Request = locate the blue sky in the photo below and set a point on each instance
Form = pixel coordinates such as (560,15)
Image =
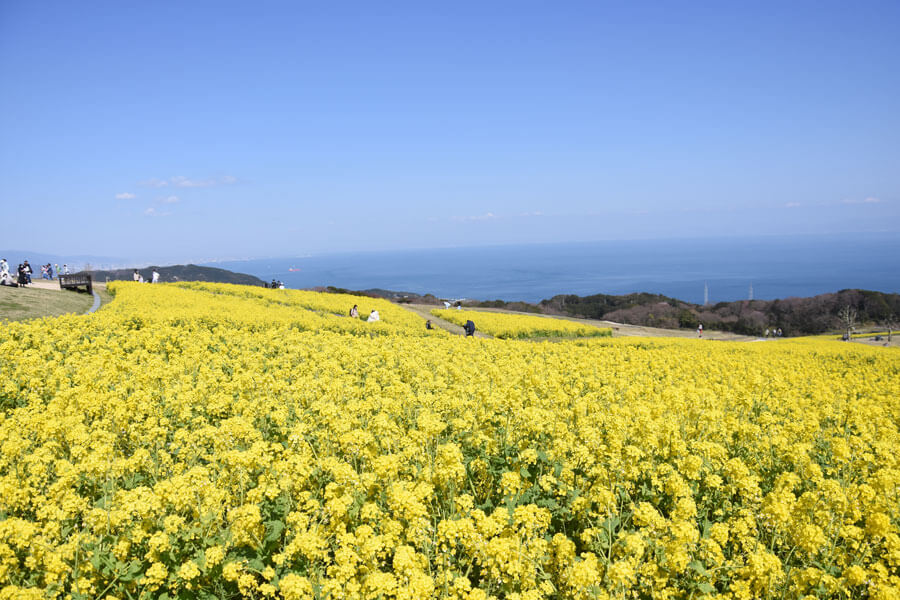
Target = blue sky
(202,130)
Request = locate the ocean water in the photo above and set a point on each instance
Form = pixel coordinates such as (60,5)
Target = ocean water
(776,267)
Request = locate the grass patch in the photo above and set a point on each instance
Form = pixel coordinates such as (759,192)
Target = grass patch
(19,304)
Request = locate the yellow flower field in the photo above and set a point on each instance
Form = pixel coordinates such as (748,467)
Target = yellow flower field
(211,441)
(510,326)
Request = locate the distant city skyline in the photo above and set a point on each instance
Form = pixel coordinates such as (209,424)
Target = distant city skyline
(202,130)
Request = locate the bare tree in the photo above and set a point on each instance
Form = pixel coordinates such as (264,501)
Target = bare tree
(890,322)
(847,315)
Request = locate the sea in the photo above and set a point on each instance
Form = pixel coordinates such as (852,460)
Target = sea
(694,270)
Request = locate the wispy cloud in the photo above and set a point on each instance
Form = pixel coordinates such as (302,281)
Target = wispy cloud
(869,200)
(152,212)
(535,213)
(182,181)
(125,196)
(153,183)
(485,217)
(186,182)
(170,199)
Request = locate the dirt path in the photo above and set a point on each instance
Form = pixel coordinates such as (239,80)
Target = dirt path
(883,343)
(625,330)
(53,284)
(45,284)
(424,311)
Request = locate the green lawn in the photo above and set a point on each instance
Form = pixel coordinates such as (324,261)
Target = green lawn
(17,304)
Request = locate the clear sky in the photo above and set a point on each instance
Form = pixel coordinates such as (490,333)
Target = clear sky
(203,130)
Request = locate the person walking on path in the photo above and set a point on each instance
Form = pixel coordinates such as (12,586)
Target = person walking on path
(700,330)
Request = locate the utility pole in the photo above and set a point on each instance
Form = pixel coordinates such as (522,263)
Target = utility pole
(705,294)
(750,295)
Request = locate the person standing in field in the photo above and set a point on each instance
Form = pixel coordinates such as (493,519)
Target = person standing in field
(700,330)
(28,272)
(136,276)
(373,316)
(354,312)
(155,278)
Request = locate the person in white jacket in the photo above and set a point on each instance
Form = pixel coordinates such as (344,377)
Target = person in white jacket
(373,316)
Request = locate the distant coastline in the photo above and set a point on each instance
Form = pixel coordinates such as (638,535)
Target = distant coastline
(776,267)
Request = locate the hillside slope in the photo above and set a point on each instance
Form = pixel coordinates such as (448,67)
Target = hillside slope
(180,273)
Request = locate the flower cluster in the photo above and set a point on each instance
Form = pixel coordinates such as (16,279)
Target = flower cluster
(217,441)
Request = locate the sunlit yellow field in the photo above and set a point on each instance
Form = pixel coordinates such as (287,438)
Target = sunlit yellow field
(213,441)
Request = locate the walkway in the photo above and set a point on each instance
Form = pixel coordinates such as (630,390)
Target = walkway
(96,303)
(54,285)
(424,311)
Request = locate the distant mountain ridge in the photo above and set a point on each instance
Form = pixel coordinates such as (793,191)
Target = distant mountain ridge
(74,261)
(173,273)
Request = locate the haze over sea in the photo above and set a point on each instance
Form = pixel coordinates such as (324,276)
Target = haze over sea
(776,267)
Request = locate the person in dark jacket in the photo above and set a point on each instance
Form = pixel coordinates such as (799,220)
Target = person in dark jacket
(470,328)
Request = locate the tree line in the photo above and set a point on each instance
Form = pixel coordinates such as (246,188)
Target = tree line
(794,316)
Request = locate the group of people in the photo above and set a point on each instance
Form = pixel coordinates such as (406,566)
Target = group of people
(276,285)
(25,271)
(154,277)
(774,332)
(469,327)
(373,316)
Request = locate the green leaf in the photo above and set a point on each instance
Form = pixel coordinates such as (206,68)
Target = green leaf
(256,564)
(132,571)
(95,561)
(273,530)
(698,566)
(706,588)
